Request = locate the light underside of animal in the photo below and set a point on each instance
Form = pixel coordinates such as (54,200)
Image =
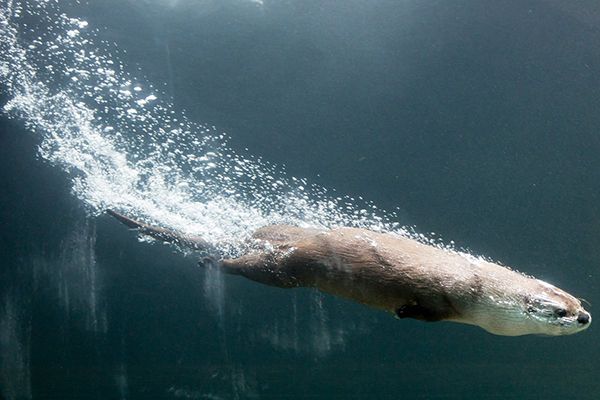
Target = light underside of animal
(397,274)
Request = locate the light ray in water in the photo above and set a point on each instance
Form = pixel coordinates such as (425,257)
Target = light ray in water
(124,146)
(15,332)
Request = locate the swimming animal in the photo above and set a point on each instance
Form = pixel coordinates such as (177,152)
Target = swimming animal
(397,274)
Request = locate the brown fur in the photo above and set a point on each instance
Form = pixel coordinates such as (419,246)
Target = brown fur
(385,271)
(397,274)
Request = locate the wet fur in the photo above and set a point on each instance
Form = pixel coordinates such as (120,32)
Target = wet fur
(385,271)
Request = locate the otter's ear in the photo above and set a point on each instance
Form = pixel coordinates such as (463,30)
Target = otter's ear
(417,311)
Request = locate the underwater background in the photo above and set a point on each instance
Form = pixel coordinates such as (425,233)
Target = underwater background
(478,121)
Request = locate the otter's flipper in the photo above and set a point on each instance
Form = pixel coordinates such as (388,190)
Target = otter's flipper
(165,235)
(418,312)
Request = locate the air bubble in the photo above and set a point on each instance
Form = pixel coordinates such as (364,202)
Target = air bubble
(151,162)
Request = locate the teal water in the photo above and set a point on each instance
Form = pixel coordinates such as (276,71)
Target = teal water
(474,121)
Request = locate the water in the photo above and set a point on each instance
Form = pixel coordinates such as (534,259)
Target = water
(129,150)
(484,132)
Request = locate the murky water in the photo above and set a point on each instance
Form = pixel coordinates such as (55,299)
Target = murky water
(484,131)
(128,148)
(124,146)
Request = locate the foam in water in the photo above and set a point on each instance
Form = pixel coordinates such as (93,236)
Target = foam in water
(126,147)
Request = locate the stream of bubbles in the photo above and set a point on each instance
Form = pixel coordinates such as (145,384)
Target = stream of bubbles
(124,145)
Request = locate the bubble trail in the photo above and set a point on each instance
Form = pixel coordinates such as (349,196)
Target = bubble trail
(124,146)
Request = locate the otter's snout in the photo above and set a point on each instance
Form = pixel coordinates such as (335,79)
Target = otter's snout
(583,318)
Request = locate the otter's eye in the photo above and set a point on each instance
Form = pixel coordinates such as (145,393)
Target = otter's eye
(560,312)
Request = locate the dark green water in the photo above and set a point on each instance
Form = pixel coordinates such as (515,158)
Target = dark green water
(479,120)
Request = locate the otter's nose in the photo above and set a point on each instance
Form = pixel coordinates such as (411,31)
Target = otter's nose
(583,318)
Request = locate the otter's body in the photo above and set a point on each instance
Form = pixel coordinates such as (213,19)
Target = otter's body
(402,276)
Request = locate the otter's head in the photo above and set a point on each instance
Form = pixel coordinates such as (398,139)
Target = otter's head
(543,310)
(556,312)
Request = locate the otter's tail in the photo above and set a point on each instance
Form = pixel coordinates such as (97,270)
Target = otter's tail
(165,235)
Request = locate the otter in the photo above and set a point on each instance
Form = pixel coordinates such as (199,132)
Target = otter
(397,274)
